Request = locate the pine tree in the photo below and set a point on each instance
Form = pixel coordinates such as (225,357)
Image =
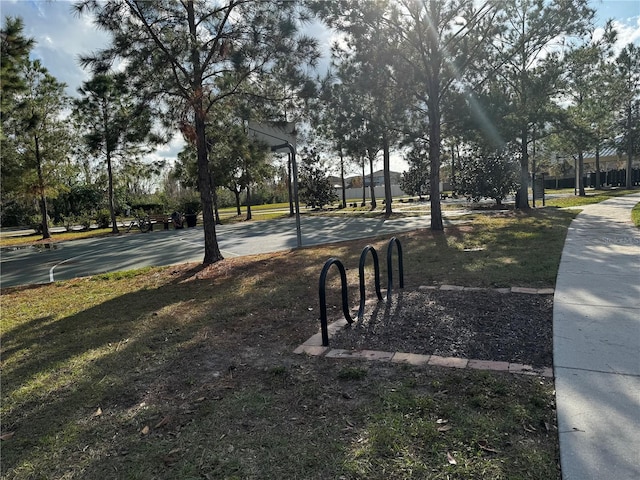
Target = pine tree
(193,54)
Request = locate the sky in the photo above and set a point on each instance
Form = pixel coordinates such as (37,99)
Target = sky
(61,36)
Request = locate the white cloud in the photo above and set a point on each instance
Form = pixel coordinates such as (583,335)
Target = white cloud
(171,149)
(628,32)
(61,37)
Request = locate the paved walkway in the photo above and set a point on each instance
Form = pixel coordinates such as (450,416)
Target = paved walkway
(596,320)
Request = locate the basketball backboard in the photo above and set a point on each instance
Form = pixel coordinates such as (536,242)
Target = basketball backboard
(273,134)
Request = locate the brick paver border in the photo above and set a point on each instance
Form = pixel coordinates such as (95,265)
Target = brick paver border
(314,347)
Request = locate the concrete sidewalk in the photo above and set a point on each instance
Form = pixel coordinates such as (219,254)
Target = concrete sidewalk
(596,344)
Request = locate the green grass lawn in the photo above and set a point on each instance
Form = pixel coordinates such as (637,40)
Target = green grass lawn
(595,196)
(6,240)
(635,215)
(188,372)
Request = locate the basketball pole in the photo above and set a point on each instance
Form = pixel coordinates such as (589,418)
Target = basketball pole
(294,167)
(270,136)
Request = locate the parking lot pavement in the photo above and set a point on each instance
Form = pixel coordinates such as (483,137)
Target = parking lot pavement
(65,260)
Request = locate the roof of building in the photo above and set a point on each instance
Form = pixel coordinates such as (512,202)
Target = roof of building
(604,152)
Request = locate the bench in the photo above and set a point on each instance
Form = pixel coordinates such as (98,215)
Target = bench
(161,218)
(164,219)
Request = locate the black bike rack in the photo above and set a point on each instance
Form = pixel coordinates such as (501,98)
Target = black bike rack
(343,283)
(376,268)
(323,297)
(393,241)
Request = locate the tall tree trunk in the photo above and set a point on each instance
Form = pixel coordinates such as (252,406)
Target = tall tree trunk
(629,146)
(371,183)
(46,233)
(581,174)
(109,147)
(43,198)
(248,202)
(387,177)
(453,170)
(236,192)
(364,188)
(344,186)
(598,180)
(214,193)
(523,191)
(212,252)
(112,201)
(214,196)
(434,160)
(216,210)
(289,186)
(211,249)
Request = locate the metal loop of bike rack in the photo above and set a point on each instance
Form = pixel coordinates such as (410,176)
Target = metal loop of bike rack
(323,297)
(343,283)
(376,268)
(393,241)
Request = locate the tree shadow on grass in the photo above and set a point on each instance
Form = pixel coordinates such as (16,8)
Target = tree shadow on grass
(109,356)
(89,383)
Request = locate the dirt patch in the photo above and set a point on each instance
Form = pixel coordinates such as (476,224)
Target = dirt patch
(484,325)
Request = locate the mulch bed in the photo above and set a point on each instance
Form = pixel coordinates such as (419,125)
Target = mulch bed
(483,325)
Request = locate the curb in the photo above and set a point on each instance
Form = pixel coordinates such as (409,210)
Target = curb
(459,288)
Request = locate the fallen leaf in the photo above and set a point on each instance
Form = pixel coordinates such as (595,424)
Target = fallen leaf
(201,399)
(162,422)
(444,428)
(98,412)
(145,430)
(485,446)
(529,428)
(442,420)
(451,460)
(7,436)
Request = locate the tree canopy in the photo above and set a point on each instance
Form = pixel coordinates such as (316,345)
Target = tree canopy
(482,84)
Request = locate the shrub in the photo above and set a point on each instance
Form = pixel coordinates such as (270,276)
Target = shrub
(103,218)
(489,174)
